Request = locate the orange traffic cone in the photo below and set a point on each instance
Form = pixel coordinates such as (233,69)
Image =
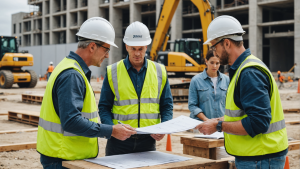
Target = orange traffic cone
(97,79)
(298,86)
(169,143)
(102,77)
(287,163)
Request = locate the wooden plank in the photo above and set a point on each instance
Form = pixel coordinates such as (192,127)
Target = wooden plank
(202,142)
(18,131)
(196,151)
(291,110)
(15,147)
(294,145)
(292,122)
(3,114)
(196,162)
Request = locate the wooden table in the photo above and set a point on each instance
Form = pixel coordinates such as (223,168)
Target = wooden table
(196,162)
(201,147)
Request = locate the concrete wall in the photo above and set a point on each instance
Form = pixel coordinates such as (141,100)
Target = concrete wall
(43,55)
(280,54)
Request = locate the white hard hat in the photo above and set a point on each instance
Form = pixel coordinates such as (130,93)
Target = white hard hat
(225,26)
(51,63)
(137,34)
(99,29)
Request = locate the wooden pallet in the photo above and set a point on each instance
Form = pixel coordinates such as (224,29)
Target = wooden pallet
(180,95)
(23,116)
(38,98)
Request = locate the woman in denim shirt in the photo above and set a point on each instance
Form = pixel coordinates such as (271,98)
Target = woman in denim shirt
(207,91)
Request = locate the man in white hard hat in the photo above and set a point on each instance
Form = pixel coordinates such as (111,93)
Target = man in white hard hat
(135,92)
(253,126)
(68,125)
(50,70)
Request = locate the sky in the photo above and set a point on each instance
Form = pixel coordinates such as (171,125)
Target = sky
(7,8)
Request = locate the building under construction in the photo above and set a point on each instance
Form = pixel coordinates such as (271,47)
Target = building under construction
(271,26)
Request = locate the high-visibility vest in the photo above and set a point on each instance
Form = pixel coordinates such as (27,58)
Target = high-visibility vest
(127,107)
(50,69)
(272,141)
(52,140)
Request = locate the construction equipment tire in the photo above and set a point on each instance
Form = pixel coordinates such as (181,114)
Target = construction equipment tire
(6,79)
(32,82)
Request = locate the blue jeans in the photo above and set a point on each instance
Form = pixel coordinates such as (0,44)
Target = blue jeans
(270,163)
(51,163)
(48,76)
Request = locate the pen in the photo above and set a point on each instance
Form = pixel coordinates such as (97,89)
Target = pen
(120,123)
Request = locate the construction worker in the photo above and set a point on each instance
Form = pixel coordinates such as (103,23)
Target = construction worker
(68,125)
(254,125)
(50,70)
(136,92)
(280,79)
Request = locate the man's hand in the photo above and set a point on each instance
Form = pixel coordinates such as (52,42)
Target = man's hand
(122,132)
(220,118)
(208,127)
(157,137)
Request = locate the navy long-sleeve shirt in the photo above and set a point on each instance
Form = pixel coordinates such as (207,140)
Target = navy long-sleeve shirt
(252,94)
(137,78)
(68,95)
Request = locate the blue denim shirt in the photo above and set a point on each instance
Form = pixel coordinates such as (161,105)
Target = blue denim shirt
(202,97)
(107,96)
(252,94)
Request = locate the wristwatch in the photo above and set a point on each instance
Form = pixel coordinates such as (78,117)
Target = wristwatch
(219,126)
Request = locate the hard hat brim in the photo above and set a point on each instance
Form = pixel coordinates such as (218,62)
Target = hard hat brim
(137,43)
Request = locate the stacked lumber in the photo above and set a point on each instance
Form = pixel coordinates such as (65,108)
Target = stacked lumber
(23,116)
(180,95)
(38,98)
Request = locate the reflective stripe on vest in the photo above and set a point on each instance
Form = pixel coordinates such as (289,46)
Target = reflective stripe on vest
(135,116)
(134,101)
(55,127)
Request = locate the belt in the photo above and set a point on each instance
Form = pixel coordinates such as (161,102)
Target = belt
(139,136)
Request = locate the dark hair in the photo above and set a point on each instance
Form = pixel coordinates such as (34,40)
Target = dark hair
(209,54)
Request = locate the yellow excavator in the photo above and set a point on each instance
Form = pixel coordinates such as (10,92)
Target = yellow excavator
(11,62)
(189,54)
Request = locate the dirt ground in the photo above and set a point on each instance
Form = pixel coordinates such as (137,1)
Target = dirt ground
(10,99)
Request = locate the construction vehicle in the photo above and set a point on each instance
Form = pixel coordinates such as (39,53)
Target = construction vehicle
(189,54)
(11,62)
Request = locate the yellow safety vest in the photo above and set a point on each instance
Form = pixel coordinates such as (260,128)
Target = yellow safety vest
(127,107)
(272,141)
(52,140)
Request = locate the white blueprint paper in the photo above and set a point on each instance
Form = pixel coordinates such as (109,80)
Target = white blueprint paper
(179,124)
(215,135)
(134,160)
